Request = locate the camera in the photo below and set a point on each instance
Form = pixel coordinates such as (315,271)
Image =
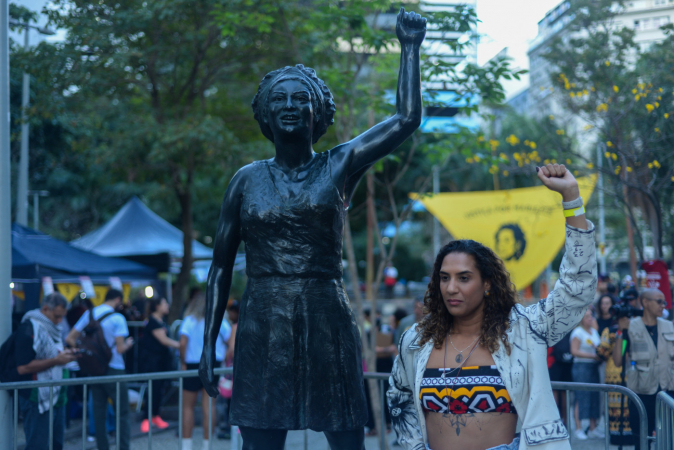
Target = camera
(624,309)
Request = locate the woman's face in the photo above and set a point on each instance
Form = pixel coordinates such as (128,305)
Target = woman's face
(462,286)
(163,307)
(506,244)
(604,305)
(290,108)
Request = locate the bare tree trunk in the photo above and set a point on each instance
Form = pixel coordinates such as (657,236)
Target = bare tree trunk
(182,286)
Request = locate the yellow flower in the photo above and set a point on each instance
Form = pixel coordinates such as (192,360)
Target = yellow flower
(493,170)
(673,178)
(573,84)
(660,90)
(657,105)
(641,86)
(588,127)
(560,132)
(657,130)
(607,155)
(629,169)
(656,164)
(659,97)
(512,140)
(650,165)
(477,158)
(506,173)
(602,107)
(572,94)
(503,156)
(666,115)
(469,160)
(542,88)
(615,88)
(568,161)
(614,156)
(575,172)
(634,91)
(637,97)
(493,143)
(608,63)
(609,144)
(590,165)
(532,144)
(592,88)
(617,170)
(546,162)
(480,138)
(553,161)
(551,117)
(649,107)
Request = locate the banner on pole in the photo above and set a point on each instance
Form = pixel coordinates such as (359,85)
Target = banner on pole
(525,227)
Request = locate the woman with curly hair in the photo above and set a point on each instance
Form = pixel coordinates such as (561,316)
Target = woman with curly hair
(476,366)
(298,362)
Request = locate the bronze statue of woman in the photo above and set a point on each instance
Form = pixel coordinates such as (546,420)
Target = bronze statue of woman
(298,361)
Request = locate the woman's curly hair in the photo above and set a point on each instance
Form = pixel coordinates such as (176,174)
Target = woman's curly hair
(502,297)
(321,99)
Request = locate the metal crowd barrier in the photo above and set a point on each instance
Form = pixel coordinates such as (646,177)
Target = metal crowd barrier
(664,409)
(664,421)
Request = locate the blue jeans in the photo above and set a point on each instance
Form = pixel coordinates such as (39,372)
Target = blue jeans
(36,425)
(514,445)
(91,426)
(588,402)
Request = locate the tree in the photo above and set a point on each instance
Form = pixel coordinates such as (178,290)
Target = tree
(625,97)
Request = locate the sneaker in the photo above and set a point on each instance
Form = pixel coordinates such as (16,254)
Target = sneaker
(224,434)
(91,438)
(597,433)
(580,435)
(159,422)
(145,426)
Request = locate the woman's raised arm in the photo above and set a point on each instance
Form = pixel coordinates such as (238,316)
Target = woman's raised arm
(351,159)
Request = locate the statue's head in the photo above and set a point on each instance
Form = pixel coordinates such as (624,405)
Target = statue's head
(322,106)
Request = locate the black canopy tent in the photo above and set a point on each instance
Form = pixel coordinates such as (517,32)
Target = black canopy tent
(36,255)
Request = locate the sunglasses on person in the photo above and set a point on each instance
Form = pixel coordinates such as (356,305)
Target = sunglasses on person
(659,301)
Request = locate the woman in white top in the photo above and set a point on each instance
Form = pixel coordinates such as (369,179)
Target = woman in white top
(191,345)
(584,343)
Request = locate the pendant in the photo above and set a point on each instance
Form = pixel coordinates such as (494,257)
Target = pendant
(459,358)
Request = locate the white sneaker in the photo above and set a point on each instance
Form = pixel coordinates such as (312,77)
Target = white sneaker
(580,435)
(596,433)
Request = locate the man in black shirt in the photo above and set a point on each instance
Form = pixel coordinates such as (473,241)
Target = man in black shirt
(40,356)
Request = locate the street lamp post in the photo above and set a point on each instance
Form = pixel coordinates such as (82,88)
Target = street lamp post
(36,207)
(22,189)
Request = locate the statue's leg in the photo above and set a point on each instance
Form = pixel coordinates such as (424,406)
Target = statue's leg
(346,440)
(257,439)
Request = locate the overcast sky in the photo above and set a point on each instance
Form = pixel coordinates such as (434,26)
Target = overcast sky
(512,24)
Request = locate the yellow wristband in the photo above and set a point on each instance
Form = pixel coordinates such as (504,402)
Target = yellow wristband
(574,212)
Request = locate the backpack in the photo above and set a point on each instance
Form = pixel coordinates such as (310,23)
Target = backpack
(95,352)
(8,373)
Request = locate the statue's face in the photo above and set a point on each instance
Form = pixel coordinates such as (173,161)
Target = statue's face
(290,108)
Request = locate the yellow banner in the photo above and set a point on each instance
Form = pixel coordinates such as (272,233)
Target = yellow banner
(525,227)
(70,290)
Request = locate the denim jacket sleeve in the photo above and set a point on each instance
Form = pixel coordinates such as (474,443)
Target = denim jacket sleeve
(555,316)
(400,396)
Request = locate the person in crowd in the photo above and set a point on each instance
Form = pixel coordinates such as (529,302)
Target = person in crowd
(561,371)
(584,343)
(603,309)
(155,355)
(40,355)
(603,283)
(618,415)
(116,333)
(191,345)
(649,350)
(407,322)
(390,279)
(476,365)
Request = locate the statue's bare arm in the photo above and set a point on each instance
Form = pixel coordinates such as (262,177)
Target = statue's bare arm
(352,159)
(227,240)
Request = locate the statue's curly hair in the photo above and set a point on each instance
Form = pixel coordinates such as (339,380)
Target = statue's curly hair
(321,99)
(497,305)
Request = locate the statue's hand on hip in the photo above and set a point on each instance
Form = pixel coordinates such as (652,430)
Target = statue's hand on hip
(206,366)
(410,27)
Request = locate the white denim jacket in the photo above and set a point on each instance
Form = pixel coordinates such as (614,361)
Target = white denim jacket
(525,371)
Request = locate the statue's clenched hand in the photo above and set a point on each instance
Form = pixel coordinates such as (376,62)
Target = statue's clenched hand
(410,27)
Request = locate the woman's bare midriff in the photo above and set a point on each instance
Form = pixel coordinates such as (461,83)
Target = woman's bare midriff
(472,431)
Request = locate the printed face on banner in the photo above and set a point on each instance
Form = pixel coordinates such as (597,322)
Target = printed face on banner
(525,227)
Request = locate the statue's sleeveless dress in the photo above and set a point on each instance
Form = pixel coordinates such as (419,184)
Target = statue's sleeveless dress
(297,363)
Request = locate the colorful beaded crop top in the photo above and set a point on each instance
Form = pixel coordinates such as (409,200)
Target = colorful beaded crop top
(477,389)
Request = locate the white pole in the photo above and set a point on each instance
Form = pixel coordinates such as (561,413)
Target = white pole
(5,216)
(436,224)
(602,223)
(22,190)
